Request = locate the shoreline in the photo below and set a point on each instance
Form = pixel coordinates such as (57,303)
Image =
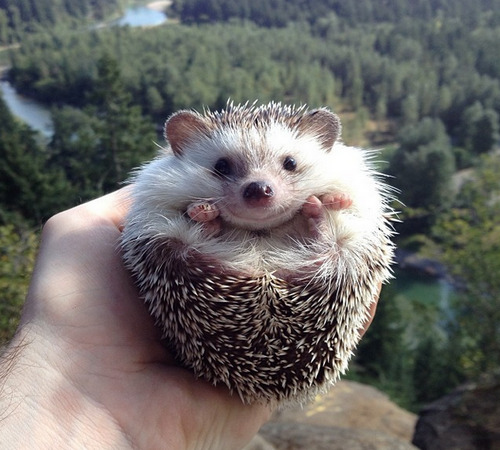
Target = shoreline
(159,5)
(408,260)
(4,73)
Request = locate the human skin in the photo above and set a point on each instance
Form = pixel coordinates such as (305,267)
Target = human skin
(87,368)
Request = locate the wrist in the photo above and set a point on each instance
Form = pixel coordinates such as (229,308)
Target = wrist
(39,406)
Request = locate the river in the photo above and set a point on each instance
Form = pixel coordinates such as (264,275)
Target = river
(415,287)
(31,112)
(35,114)
(141,16)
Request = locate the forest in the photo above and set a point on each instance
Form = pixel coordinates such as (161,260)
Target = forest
(282,12)
(20,16)
(418,80)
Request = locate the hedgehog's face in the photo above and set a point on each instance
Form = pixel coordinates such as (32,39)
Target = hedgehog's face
(256,174)
(259,172)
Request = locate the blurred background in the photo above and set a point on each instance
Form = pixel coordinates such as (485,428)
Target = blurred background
(86,86)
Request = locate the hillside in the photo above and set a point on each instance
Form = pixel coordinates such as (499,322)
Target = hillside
(423,76)
(282,12)
(20,16)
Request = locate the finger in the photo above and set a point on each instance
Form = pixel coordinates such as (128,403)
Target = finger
(113,206)
(371,313)
(312,208)
(78,250)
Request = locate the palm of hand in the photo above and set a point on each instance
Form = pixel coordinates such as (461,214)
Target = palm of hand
(86,326)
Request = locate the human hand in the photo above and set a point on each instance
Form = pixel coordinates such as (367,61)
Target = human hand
(87,368)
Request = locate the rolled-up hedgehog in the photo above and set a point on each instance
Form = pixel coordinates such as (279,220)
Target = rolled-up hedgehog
(259,242)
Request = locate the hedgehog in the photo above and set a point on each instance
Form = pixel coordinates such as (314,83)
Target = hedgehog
(259,241)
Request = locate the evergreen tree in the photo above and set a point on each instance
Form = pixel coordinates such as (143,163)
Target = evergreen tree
(423,165)
(74,149)
(470,235)
(28,190)
(384,353)
(97,147)
(28,15)
(126,138)
(480,129)
(4,28)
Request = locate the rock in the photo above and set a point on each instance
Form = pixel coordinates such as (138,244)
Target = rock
(466,419)
(412,261)
(355,405)
(259,443)
(301,436)
(351,416)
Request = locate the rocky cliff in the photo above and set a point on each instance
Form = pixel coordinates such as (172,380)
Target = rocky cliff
(351,416)
(466,419)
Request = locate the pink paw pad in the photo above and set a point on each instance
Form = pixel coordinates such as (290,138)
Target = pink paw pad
(202,212)
(212,228)
(336,202)
(312,208)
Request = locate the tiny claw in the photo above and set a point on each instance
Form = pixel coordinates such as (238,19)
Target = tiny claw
(314,209)
(336,202)
(202,211)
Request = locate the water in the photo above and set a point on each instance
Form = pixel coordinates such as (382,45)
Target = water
(34,114)
(141,16)
(418,288)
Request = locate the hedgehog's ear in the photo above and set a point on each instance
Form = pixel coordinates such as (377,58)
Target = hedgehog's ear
(323,124)
(184,127)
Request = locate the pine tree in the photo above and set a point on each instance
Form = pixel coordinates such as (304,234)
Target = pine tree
(479,130)
(424,154)
(470,237)
(126,138)
(28,190)
(98,146)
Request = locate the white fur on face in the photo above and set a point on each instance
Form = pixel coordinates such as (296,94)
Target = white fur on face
(166,186)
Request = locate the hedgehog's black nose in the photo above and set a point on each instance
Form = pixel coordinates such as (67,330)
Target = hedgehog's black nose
(258,193)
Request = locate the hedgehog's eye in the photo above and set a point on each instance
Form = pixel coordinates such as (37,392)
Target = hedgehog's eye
(289,164)
(222,167)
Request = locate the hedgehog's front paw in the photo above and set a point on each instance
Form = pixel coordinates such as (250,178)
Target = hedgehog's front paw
(212,228)
(202,211)
(336,201)
(312,210)
(207,214)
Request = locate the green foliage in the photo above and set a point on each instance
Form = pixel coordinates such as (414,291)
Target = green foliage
(126,138)
(424,154)
(28,188)
(74,149)
(406,350)
(19,16)
(168,68)
(479,131)
(281,12)
(17,255)
(98,146)
(384,339)
(92,151)
(405,70)
(470,237)
(435,368)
